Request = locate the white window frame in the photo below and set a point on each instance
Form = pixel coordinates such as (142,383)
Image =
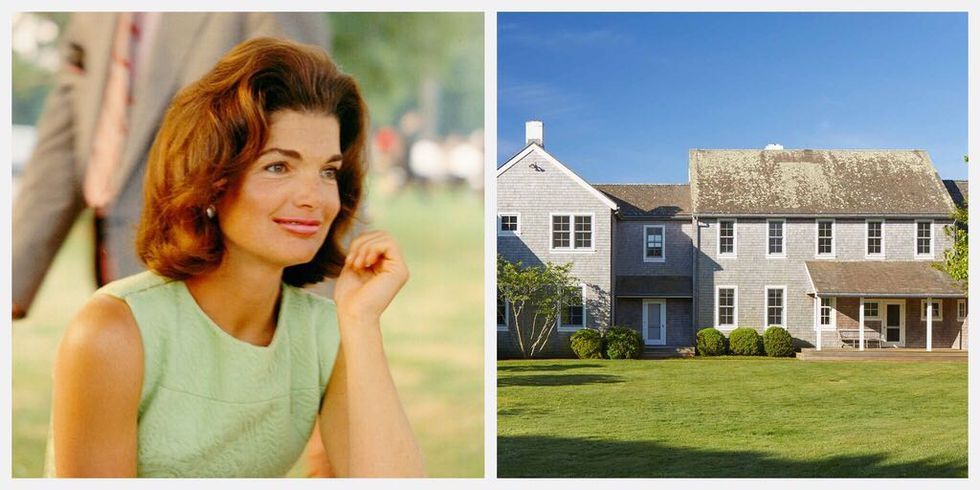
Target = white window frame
(939,312)
(663,244)
(505,327)
(781,255)
(833,239)
(877,307)
(734,253)
(959,303)
(833,313)
(867,237)
(500,225)
(765,309)
(932,240)
(585,317)
(571,237)
(734,323)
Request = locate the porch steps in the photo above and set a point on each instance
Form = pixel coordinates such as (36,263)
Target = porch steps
(666,352)
(884,354)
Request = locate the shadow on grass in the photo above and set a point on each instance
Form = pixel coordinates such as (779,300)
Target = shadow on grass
(546,367)
(538,456)
(557,380)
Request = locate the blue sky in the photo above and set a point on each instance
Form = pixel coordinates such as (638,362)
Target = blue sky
(623,97)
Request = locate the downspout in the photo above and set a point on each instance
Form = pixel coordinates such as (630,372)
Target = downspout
(694,281)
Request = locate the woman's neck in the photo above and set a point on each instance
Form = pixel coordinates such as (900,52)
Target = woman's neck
(242,300)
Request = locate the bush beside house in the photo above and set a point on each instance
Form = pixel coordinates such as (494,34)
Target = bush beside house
(711,342)
(623,343)
(745,341)
(587,343)
(777,342)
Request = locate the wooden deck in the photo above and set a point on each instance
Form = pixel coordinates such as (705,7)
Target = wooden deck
(885,354)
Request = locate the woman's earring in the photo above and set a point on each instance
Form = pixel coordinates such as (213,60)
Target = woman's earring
(210,211)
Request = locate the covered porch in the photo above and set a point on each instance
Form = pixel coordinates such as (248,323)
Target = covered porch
(877,305)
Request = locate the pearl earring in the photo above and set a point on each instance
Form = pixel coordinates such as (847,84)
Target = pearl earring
(210,211)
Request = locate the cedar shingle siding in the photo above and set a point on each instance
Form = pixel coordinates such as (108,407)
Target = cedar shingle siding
(798,187)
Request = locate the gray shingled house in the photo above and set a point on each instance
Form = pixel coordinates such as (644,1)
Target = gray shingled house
(795,238)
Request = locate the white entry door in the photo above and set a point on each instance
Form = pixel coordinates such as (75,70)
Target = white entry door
(894,328)
(654,322)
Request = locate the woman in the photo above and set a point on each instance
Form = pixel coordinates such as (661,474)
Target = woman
(215,363)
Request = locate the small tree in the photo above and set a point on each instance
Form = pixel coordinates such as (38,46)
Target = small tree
(956,260)
(541,291)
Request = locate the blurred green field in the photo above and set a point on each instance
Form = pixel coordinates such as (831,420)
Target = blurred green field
(433,331)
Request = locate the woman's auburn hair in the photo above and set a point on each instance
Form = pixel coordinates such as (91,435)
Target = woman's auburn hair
(215,129)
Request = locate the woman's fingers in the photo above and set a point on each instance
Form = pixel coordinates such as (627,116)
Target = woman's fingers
(367,249)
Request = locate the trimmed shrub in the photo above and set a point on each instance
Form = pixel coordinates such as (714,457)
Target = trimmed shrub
(745,341)
(587,343)
(777,342)
(623,343)
(711,342)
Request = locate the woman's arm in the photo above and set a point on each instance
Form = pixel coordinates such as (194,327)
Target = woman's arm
(98,376)
(365,430)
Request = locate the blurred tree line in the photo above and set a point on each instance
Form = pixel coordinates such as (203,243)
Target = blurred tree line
(430,62)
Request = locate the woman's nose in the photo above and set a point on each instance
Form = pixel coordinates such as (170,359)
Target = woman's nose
(310,190)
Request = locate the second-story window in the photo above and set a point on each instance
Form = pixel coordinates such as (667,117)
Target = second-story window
(726,237)
(508,224)
(923,238)
(775,235)
(571,232)
(874,237)
(654,243)
(825,237)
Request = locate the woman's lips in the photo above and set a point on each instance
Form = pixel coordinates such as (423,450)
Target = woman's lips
(302,227)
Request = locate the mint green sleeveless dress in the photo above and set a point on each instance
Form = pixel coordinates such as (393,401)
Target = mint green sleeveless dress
(213,405)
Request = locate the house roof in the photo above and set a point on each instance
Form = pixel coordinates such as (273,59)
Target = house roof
(881,279)
(653,286)
(534,146)
(816,182)
(957,191)
(649,200)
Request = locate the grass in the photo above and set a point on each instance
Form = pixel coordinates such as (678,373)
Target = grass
(755,417)
(433,331)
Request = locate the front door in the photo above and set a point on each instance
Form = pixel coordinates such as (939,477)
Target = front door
(894,328)
(654,322)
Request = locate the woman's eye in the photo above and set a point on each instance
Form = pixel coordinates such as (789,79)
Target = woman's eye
(276,168)
(329,173)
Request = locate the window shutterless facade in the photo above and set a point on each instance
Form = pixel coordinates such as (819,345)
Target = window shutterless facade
(827,317)
(726,307)
(775,242)
(503,313)
(825,238)
(871,309)
(571,232)
(937,310)
(923,239)
(726,238)
(961,309)
(572,315)
(775,306)
(508,224)
(874,234)
(655,241)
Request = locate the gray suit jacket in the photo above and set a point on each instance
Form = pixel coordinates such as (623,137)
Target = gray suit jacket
(50,198)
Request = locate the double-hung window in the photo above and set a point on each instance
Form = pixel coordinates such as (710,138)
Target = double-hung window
(776,306)
(726,309)
(923,239)
(654,243)
(827,318)
(508,224)
(825,238)
(937,310)
(775,241)
(875,234)
(573,309)
(571,232)
(726,238)
(961,309)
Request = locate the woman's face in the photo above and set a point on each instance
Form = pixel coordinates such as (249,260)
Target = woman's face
(288,198)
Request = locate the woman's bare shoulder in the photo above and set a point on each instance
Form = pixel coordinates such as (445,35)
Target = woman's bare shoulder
(104,332)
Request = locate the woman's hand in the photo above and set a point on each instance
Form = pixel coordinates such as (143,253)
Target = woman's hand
(373,274)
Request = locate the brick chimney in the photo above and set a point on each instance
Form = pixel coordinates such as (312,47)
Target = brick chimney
(534,133)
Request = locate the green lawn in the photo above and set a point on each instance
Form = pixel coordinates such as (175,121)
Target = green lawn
(433,331)
(728,417)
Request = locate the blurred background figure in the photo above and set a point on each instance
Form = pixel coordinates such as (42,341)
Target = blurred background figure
(422,76)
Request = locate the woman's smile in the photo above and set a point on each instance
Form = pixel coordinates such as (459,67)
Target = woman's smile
(303,227)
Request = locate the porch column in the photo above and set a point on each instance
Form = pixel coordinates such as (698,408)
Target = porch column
(861,322)
(816,321)
(928,324)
